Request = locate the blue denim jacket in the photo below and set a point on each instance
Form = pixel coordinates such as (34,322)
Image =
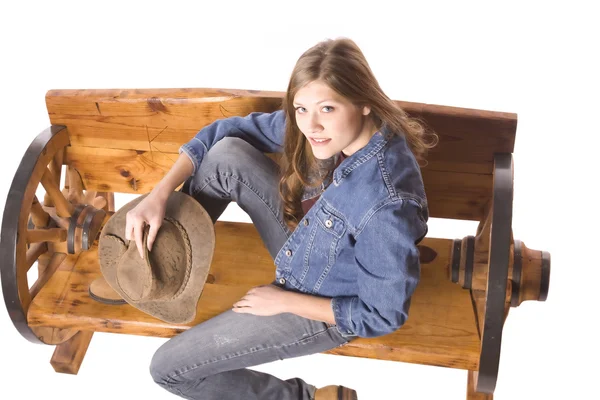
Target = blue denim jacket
(358,244)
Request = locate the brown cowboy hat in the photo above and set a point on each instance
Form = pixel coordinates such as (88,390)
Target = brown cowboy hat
(169,280)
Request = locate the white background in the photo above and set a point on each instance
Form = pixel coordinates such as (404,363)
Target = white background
(536,61)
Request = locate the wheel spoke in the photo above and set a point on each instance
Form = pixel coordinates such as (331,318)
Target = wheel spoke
(47,235)
(39,217)
(34,252)
(60,221)
(90,195)
(55,168)
(75,193)
(63,207)
(55,261)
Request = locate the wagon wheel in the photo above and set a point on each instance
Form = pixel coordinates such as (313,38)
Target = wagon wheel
(496,237)
(45,230)
(499,272)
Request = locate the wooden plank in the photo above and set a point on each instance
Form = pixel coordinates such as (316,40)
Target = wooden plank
(163,119)
(456,166)
(123,171)
(441,329)
(469,136)
(457,195)
(450,194)
(127,120)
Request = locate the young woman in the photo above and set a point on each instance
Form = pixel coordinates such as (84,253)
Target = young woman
(341,215)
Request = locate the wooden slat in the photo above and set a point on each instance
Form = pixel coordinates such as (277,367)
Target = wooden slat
(468,135)
(125,171)
(163,119)
(457,195)
(154,121)
(441,329)
(455,166)
(450,194)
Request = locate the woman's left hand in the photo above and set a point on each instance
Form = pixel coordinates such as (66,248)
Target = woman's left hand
(263,300)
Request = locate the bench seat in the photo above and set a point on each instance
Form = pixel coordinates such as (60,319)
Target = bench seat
(441,329)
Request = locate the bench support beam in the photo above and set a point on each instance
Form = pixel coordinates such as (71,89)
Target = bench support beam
(471,393)
(68,356)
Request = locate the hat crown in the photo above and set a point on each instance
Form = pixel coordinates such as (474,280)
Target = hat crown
(164,272)
(164,289)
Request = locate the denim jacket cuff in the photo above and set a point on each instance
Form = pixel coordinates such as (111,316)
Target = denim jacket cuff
(193,153)
(341,310)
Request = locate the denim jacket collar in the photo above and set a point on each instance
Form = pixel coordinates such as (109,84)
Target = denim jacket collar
(375,144)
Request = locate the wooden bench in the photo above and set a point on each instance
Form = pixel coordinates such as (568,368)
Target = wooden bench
(102,142)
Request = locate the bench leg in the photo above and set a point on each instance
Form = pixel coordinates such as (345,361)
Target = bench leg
(471,393)
(68,356)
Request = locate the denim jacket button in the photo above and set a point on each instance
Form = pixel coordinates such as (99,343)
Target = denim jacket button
(306,222)
(288,253)
(282,281)
(328,223)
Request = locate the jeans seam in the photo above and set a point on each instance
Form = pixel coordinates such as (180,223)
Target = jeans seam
(227,175)
(308,339)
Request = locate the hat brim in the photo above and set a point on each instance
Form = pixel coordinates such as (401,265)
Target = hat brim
(200,229)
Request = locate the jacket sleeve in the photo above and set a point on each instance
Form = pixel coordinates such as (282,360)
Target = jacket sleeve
(387,257)
(265,131)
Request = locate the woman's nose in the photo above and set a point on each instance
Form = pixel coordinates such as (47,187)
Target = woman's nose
(314,124)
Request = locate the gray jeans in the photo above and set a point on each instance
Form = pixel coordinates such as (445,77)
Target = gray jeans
(210,360)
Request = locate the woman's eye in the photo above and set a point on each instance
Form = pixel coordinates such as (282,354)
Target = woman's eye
(328,109)
(300,109)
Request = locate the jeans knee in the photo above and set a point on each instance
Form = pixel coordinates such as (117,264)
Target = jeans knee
(228,157)
(180,385)
(157,372)
(229,150)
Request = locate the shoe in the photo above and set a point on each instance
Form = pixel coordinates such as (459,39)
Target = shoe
(334,392)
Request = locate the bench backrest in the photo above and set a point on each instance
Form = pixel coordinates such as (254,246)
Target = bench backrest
(126,140)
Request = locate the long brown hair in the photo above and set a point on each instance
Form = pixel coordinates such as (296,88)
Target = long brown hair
(340,64)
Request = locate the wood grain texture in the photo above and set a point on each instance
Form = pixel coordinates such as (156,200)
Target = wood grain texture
(123,171)
(136,135)
(143,119)
(449,194)
(441,329)
(147,120)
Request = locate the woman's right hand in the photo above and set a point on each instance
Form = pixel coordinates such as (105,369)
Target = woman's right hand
(150,211)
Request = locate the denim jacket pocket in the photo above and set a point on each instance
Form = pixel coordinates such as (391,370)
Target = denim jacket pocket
(322,248)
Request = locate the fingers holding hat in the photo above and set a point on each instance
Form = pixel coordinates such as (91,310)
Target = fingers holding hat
(155,224)
(134,229)
(149,211)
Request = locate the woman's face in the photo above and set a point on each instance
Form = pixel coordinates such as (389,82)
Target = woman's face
(330,122)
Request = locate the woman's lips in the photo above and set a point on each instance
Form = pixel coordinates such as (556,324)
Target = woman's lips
(319,143)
